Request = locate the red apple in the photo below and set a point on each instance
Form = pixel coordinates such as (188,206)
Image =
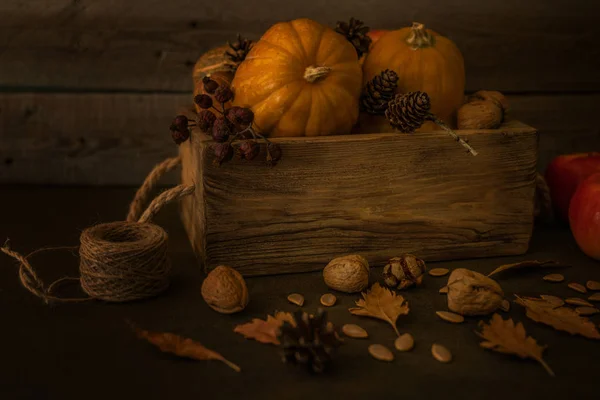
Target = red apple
(584,216)
(565,173)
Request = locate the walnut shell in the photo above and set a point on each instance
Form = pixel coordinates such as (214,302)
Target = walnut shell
(479,114)
(491,95)
(471,293)
(404,272)
(224,290)
(349,274)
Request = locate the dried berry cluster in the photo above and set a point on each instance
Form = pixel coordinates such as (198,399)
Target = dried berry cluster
(226,126)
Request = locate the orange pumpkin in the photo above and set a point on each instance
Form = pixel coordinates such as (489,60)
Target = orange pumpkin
(424,61)
(300,79)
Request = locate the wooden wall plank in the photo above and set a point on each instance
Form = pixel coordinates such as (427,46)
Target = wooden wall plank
(117,138)
(509,45)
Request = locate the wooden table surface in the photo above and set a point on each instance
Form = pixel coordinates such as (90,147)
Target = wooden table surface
(86,350)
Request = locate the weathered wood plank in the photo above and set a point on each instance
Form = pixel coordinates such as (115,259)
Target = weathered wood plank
(513,46)
(116,139)
(85,139)
(379,195)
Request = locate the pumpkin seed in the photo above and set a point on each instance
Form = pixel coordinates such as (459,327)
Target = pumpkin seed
(554,278)
(441,353)
(439,271)
(593,285)
(444,290)
(505,305)
(575,301)
(404,342)
(586,310)
(594,297)
(354,331)
(450,317)
(296,299)
(578,287)
(328,300)
(555,301)
(381,353)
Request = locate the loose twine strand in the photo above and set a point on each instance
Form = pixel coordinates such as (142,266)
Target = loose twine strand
(119,261)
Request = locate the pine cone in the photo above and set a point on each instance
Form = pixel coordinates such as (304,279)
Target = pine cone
(378,92)
(356,34)
(239,50)
(407,112)
(312,341)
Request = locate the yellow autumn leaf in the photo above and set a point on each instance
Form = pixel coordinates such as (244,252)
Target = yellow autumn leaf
(561,318)
(382,303)
(503,336)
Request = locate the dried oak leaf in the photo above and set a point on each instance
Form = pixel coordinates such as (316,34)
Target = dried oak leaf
(561,318)
(379,302)
(182,347)
(505,337)
(265,331)
(527,264)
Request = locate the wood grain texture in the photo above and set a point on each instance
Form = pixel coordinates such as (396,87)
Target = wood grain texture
(116,139)
(150,45)
(89,139)
(379,195)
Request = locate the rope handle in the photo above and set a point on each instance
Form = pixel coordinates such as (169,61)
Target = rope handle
(141,196)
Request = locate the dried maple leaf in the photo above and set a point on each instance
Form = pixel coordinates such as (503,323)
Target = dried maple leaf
(381,303)
(561,318)
(180,346)
(527,264)
(265,331)
(505,337)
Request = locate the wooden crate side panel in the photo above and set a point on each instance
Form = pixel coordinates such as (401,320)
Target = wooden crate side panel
(378,195)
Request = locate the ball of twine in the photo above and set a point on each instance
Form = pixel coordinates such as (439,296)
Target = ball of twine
(122,261)
(119,261)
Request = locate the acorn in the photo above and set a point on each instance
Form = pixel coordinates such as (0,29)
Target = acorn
(223,153)
(205,121)
(221,130)
(203,100)
(223,94)
(209,85)
(249,150)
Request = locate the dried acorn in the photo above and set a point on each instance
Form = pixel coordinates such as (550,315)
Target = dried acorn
(180,131)
(204,101)
(221,130)
(240,115)
(223,94)
(205,121)
(248,150)
(209,85)
(404,271)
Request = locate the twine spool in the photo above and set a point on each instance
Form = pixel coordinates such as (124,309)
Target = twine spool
(118,261)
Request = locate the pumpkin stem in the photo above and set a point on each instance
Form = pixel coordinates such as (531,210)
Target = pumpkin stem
(419,38)
(313,74)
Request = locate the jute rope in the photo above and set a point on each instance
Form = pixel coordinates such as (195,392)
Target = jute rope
(119,261)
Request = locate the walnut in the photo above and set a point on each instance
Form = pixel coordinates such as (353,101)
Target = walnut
(479,114)
(491,95)
(404,272)
(224,290)
(471,293)
(348,274)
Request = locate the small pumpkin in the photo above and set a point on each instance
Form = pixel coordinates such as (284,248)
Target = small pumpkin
(424,61)
(300,79)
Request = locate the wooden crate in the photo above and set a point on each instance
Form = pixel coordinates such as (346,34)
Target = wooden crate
(378,195)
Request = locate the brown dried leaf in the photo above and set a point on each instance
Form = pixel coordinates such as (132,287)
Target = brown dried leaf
(527,264)
(505,337)
(182,347)
(381,303)
(562,318)
(265,331)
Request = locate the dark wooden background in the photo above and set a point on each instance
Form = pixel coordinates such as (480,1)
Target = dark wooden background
(88,87)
